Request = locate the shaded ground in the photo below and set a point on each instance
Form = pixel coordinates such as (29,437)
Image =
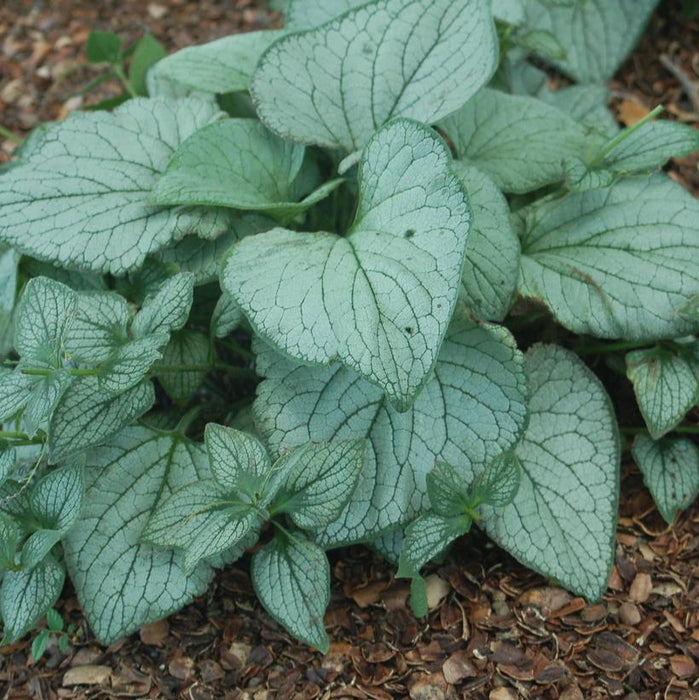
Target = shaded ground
(495,630)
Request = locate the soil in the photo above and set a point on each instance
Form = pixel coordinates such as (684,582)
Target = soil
(495,630)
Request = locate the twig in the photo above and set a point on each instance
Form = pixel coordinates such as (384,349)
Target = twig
(691,87)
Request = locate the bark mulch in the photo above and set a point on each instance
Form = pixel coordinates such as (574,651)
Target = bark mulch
(495,630)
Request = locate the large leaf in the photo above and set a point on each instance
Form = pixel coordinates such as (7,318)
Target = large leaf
(337,84)
(597,34)
(490,273)
(562,521)
(518,140)
(472,408)
(236,163)
(616,262)
(291,577)
(670,470)
(122,584)
(379,298)
(666,384)
(79,198)
(305,14)
(586,103)
(220,66)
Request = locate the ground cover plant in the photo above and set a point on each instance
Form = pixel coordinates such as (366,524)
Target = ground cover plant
(338,283)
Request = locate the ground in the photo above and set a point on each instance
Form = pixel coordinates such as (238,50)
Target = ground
(495,630)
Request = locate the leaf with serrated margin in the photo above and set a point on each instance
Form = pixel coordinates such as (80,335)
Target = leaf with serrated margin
(489,276)
(517,140)
(380,298)
(131,363)
(44,314)
(562,522)
(426,538)
(337,84)
(220,66)
(597,34)
(168,309)
(26,595)
(666,384)
(585,103)
(616,262)
(236,163)
(86,416)
(79,198)
(188,350)
(651,146)
(291,577)
(203,519)
(320,481)
(471,409)
(121,583)
(670,469)
(203,258)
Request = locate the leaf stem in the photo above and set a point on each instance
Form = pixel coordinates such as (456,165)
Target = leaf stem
(10,434)
(187,419)
(72,372)
(623,135)
(119,72)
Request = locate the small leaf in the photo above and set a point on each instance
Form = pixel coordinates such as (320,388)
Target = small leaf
(37,547)
(54,620)
(518,141)
(666,384)
(10,537)
(168,309)
(542,42)
(86,416)
(187,350)
(381,297)
(320,480)
(562,521)
(448,490)
(498,483)
(147,53)
(26,595)
(14,392)
(103,47)
(131,363)
(39,644)
(57,498)
(236,163)
(670,470)
(651,146)
(45,393)
(291,577)
(220,66)
(337,84)
(122,584)
(227,316)
(614,262)
(63,642)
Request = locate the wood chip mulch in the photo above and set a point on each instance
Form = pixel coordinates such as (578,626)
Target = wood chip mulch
(495,630)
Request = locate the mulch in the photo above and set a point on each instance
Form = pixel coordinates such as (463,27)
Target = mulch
(495,630)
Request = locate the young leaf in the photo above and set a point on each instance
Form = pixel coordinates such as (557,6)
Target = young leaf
(26,595)
(585,103)
(670,470)
(168,309)
(651,146)
(227,316)
(39,644)
(10,537)
(447,488)
(498,483)
(380,298)
(57,498)
(147,53)
(336,85)
(86,416)
(44,314)
(471,409)
(490,272)
(291,577)
(45,393)
(615,262)
(666,384)
(103,47)
(320,480)
(220,66)
(37,547)
(131,363)
(121,583)
(518,141)
(236,163)
(54,620)
(597,34)
(426,537)
(79,198)
(562,521)
(187,350)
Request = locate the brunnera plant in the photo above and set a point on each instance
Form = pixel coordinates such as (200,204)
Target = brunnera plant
(281,304)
